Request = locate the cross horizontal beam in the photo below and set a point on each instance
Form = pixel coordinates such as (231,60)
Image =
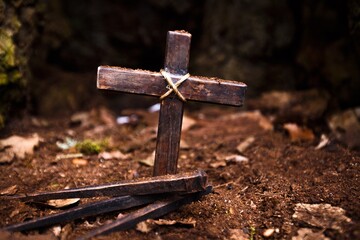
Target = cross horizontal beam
(152,83)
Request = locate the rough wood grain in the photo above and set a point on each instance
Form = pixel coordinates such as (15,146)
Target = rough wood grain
(171,112)
(152,211)
(185,182)
(195,88)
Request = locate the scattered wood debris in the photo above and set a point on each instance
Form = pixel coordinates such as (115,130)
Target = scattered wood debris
(324,141)
(218,164)
(150,224)
(9,190)
(245,144)
(309,234)
(299,133)
(65,231)
(183,223)
(237,159)
(80,162)
(5,235)
(321,215)
(222,161)
(68,156)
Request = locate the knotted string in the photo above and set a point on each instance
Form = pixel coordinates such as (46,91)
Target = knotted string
(173,87)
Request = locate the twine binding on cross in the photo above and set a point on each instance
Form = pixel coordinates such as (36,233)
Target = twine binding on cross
(173,87)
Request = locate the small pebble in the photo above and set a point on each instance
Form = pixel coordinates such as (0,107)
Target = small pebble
(79,162)
(268,232)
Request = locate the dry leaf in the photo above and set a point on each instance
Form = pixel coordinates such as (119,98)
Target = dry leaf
(37,122)
(238,234)
(321,215)
(276,99)
(6,235)
(187,123)
(308,234)
(144,227)
(56,230)
(66,231)
(112,155)
(106,117)
(60,203)
(81,118)
(18,146)
(245,144)
(7,156)
(165,222)
(9,190)
(67,144)
(309,104)
(299,134)
(105,155)
(149,161)
(218,164)
(184,145)
(188,222)
(256,115)
(346,127)
(119,155)
(14,213)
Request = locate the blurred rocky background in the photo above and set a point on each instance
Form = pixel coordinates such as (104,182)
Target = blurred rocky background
(50,50)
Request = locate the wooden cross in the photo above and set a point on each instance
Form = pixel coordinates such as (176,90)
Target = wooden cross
(173,94)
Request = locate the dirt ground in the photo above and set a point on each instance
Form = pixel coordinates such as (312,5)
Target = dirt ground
(253,198)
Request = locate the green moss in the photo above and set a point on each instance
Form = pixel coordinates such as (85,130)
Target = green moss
(89,147)
(2,121)
(13,61)
(3,79)
(7,49)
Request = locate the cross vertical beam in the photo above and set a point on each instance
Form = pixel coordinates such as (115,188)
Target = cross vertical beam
(171,112)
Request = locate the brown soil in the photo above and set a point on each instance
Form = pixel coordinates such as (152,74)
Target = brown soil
(248,197)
